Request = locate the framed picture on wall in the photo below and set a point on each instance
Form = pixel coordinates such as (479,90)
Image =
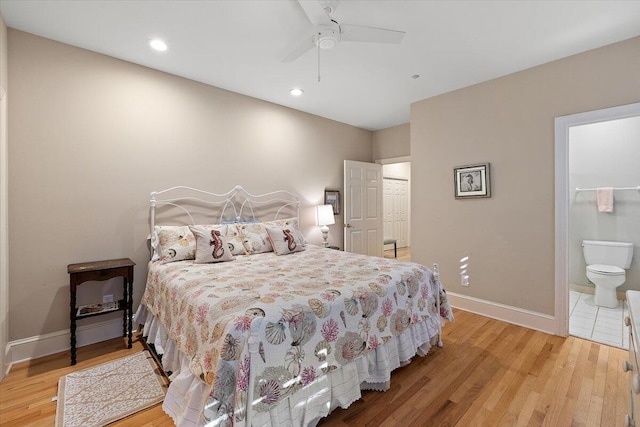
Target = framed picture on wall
(472,181)
(332,197)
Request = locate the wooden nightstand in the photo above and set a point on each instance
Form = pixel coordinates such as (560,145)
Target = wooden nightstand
(100,271)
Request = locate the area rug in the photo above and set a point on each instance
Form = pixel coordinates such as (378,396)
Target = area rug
(105,393)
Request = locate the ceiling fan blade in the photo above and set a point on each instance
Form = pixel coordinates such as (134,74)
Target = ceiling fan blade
(300,50)
(357,33)
(315,12)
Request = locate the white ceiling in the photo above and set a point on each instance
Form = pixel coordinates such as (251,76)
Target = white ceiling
(238,45)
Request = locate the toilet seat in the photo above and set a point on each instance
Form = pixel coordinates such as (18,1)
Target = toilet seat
(605,270)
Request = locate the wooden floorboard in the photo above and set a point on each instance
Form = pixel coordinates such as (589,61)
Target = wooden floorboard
(489,373)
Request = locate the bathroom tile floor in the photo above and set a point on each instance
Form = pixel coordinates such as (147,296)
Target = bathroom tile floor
(603,325)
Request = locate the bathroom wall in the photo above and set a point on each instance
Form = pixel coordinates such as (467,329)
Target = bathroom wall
(604,154)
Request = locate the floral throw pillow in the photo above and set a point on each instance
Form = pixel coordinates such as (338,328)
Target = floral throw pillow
(174,243)
(234,239)
(285,240)
(211,245)
(255,238)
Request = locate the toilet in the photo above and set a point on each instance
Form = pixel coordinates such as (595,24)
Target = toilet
(606,265)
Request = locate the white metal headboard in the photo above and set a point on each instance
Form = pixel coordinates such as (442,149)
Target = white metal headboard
(236,205)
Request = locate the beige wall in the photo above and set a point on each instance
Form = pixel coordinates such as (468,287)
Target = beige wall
(3,53)
(391,142)
(397,170)
(4,257)
(509,122)
(92,136)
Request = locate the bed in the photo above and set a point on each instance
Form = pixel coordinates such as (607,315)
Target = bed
(257,327)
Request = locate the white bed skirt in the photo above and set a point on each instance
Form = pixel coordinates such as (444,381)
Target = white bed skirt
(186,398)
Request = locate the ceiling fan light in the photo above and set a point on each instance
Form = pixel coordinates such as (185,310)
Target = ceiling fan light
(327,42)
(296,92)
(328,36)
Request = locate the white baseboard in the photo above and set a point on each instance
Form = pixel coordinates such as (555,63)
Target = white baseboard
(56,342)
(517,316)
(7,361)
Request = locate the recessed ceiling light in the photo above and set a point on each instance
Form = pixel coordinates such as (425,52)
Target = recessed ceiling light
(296,92)
(158,45)
(415,76)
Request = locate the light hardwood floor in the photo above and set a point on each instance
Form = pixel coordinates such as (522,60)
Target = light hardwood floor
(489,373)
(404,254)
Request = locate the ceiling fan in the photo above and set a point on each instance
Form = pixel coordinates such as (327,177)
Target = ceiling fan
(326,32)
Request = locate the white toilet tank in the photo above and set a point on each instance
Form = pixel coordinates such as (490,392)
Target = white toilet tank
(619,254)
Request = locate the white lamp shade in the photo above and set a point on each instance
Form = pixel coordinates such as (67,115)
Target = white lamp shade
(324,215)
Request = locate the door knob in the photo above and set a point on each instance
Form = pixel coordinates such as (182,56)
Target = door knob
(348,225)
(627,321)
(626,366)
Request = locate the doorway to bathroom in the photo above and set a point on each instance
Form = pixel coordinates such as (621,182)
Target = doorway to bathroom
(596,150)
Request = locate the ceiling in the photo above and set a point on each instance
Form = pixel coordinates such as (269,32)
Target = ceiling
(239,45)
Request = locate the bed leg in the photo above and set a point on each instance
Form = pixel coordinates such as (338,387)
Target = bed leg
(436,277)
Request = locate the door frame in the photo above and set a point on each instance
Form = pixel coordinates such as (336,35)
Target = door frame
(562,126)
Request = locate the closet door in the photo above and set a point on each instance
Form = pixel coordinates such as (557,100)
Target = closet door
(389,210)
(401,211)
(396,210)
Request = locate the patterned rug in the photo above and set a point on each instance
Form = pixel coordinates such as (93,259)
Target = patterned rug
(105,393)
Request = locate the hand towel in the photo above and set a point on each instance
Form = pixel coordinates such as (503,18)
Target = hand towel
(604,199)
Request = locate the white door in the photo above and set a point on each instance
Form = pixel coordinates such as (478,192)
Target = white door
(363,229)
(396,210)
(387,207)
(401,214)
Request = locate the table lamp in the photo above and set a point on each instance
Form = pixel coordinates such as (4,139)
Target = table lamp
(324,217)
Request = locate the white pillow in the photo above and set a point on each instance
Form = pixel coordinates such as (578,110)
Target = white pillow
(211,245)
(285,240)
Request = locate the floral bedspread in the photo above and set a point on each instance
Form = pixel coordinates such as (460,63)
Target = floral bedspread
(319,309)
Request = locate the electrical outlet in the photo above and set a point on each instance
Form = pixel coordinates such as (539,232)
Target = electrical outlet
(107,298)
(465,280)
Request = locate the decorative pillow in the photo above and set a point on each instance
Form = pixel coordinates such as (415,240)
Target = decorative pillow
(174,243)
(287,222)
(211,244)
(285,240)
(255,238)
(234,239)
(177,243)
